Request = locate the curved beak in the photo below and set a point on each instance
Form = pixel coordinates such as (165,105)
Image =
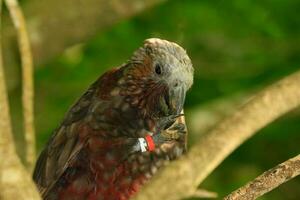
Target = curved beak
(176,99)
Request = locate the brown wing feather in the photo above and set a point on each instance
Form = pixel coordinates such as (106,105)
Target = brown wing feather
(64,145)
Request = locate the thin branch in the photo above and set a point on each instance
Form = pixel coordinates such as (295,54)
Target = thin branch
(5,122)
(27,77)
(188,172)
(15,182)
(268,180)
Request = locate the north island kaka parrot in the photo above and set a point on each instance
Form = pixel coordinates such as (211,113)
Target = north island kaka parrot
(122,129)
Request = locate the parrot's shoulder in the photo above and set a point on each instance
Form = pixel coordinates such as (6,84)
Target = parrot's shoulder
(98,91)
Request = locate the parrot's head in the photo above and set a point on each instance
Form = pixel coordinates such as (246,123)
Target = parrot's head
(158,76)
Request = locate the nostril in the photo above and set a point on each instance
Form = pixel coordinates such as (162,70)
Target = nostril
(176,84)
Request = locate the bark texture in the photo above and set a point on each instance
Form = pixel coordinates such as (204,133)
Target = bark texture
(268,180)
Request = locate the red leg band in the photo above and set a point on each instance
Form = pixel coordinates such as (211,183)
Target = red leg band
(150,142)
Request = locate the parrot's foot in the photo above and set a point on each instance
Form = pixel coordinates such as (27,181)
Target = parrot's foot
(176,132)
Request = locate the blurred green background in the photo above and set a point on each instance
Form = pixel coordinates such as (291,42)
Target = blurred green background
(237,47)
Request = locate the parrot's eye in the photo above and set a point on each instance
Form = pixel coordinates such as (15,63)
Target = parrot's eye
(158,69)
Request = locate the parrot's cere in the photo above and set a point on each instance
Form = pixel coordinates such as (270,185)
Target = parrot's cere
(122,129)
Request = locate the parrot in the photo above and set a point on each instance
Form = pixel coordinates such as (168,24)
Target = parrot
(122,130)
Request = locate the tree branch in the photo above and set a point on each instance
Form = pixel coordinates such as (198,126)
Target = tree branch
(15,182)
(268,180)
(27,77)
(182,177)
(55,25)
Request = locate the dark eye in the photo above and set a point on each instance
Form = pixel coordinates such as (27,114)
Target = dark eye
(158,69)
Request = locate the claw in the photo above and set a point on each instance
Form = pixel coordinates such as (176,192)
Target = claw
(178,127)
(167,122)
